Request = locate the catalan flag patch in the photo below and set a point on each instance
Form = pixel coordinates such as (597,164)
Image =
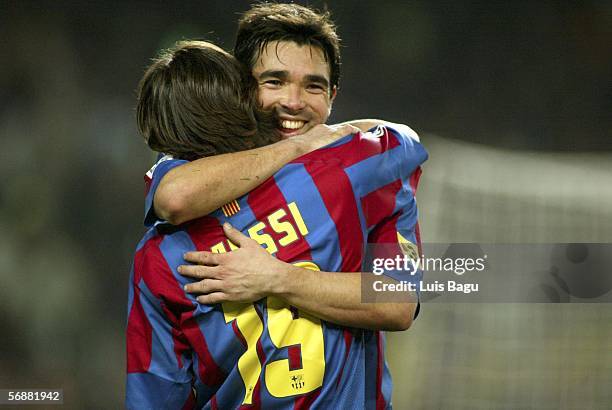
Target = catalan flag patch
(231,208)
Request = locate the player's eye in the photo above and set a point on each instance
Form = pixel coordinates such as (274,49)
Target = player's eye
(272,82)
(316,88)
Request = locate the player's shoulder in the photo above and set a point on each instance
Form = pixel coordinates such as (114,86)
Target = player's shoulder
(399,140)
(388,135)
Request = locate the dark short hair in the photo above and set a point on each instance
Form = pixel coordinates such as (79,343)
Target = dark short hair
(196,100)
(267,22)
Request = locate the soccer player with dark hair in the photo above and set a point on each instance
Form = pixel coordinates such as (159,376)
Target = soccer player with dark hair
(317,212)
(293,55)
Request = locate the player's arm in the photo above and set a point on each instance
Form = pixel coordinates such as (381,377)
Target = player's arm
(338,296)
(154,379)
(250,273)
(199,187)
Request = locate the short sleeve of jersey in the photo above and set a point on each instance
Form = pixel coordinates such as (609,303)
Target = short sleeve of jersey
(152,179)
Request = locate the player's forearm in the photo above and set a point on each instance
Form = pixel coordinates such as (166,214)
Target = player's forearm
(197,188)
(336,297)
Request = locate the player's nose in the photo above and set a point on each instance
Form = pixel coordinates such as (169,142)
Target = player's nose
(293,99)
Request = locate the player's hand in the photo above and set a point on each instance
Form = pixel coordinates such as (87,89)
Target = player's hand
(246,274)
(322,135)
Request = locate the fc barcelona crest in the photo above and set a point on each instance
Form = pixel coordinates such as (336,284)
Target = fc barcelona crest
(297,382)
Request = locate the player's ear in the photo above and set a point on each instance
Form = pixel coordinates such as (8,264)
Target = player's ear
(332,97)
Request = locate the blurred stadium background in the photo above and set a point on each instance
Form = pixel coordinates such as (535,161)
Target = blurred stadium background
(512,99)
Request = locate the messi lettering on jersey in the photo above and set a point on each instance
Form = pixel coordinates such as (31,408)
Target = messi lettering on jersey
(282,221)
(318,212)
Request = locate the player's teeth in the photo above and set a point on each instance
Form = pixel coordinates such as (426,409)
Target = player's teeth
(292,125)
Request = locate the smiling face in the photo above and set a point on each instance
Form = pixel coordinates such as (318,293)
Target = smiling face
(294,81)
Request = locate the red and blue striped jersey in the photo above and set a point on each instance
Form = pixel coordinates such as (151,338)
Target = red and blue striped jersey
(319,212)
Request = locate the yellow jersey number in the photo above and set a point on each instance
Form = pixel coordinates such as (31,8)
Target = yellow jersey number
(286,329)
